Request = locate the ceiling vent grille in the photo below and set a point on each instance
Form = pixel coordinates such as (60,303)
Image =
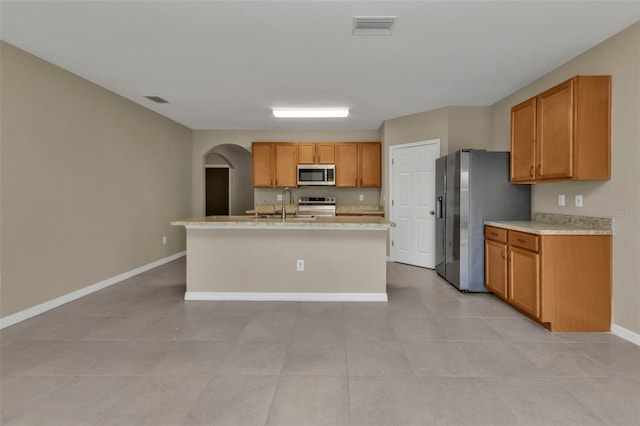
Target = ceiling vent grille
(373,25)
(157,99)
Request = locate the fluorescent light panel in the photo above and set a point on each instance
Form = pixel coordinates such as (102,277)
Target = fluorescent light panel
(311,112)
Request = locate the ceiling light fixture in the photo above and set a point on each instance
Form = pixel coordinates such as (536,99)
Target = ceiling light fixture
(311,112)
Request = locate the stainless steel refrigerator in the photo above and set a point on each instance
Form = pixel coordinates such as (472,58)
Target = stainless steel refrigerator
(472,186)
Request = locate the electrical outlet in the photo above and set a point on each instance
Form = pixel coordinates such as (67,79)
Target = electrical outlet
(561,200)
(300,265)
(361,197)
(164,239)
(578,200)
(279,197)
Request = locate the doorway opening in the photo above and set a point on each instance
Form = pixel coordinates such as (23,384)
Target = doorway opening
(217,190)
(227,181)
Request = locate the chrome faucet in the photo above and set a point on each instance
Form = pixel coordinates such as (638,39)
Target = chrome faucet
(284,210)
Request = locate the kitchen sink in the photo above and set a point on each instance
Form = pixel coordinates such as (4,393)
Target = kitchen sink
(277,217)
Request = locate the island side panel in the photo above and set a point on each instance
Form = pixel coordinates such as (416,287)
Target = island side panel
(264,261)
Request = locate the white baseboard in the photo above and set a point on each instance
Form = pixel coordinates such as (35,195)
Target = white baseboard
(287,297)
(54,303)
(625,334)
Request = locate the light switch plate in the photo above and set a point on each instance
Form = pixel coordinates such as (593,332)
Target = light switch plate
(561,200)
(361,197)
(578,200)
(279,197)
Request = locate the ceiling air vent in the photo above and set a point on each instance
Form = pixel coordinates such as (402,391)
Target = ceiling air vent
(373,25)
(157,99)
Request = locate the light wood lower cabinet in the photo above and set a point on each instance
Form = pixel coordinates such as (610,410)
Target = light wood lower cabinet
(561,281)
(496,267)
(524,280)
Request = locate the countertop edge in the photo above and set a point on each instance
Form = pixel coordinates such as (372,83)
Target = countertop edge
(541,228)
(320,223)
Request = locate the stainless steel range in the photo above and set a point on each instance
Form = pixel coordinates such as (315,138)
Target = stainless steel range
(316,206)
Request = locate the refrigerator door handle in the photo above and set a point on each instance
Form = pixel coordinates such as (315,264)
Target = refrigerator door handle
(439,208)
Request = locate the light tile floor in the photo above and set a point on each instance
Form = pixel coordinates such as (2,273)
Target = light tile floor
(137,354)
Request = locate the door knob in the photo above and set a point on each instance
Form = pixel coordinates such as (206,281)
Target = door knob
(432,212)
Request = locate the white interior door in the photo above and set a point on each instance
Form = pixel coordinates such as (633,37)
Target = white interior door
(413,202)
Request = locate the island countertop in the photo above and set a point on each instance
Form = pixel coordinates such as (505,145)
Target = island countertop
(291,222)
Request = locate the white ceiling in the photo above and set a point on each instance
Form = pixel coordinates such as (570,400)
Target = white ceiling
(225,64)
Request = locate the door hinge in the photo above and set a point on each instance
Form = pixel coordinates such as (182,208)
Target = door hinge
(392,202)
(393,161)
(392,243)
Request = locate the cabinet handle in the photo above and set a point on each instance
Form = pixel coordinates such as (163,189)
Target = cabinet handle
(494,233)
(539,169)
(360,181)
(502,252)
(531,171)
(520,240)
(508,256)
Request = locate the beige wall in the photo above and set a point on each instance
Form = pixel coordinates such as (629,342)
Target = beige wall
(457,127)
(619,197)
(89,182)
(469,127)
(205,140)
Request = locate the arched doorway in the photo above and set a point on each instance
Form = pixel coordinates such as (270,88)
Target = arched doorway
(227,180)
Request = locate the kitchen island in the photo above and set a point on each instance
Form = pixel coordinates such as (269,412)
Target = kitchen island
(249,258)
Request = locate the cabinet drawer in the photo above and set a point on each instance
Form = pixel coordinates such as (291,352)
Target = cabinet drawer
(522,240)
(496,234)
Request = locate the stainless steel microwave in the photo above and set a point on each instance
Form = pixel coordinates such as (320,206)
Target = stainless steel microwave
(316,174)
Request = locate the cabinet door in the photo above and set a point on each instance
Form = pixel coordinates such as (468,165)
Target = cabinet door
(262,156)
(370,171)
(325,153)
(306,153)
(523,141)
(524,280)
(495,267)
(554,145)
(286,161)
(347,164)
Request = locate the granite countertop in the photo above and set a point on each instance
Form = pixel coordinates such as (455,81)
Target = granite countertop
(559,224)
(319,222)
(359,209)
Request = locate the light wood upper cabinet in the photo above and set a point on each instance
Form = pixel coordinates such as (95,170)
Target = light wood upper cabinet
(358,164)
(347,164)
(274,164)
(563,133)
(370,168)
(286,165)
(316,153)
(263,155)
(523,141)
